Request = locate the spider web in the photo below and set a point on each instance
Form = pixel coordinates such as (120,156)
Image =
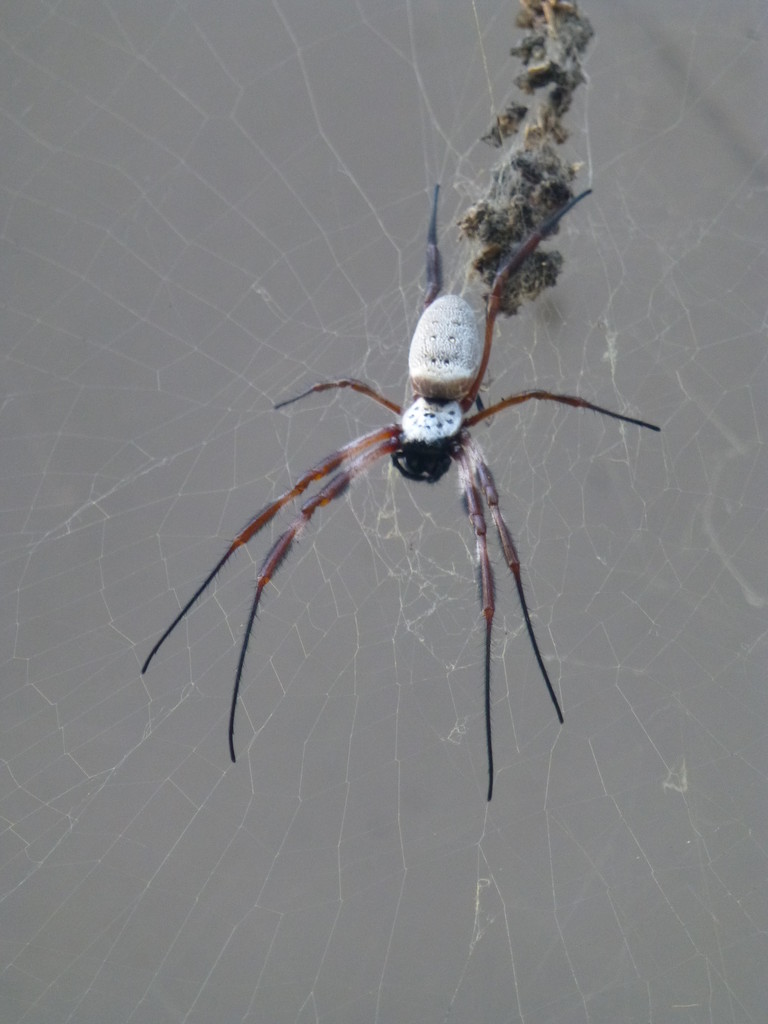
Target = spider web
(208,206)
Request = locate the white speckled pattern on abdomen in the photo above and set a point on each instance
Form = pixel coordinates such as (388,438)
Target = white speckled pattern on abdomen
(445,351)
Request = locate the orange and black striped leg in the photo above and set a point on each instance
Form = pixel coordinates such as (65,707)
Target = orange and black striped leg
(336,486)
(548,396)
(488,485)
(322,469)
(477,519)
(345,382)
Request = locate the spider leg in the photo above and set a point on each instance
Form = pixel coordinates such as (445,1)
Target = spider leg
(503,274)
(335,487)
(434,286)
(548,396)
(477,519)
(488,484)
(434,265)
(322,469)
(346,382)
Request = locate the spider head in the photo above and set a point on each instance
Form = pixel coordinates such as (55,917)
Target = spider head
(430,429)
(417,460)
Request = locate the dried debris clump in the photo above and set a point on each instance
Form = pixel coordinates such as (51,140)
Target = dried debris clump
(531,180)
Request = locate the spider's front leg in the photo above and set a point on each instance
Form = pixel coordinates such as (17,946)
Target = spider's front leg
(488,484)
(388,441)
(463,460)
(350,453)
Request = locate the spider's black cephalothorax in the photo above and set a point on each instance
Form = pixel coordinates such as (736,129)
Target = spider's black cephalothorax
(418,460)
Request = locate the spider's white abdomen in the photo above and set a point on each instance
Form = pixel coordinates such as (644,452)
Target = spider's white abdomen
(445,351)
(429,422)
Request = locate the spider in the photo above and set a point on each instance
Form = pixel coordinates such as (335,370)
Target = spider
(447,364)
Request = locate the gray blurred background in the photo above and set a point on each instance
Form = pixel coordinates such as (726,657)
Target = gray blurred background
(208,206)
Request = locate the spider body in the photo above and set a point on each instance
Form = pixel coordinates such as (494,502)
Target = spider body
(445,352)
(429,429)
(447,364)
(443,361)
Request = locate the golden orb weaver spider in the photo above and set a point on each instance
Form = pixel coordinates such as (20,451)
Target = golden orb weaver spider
(446,365)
